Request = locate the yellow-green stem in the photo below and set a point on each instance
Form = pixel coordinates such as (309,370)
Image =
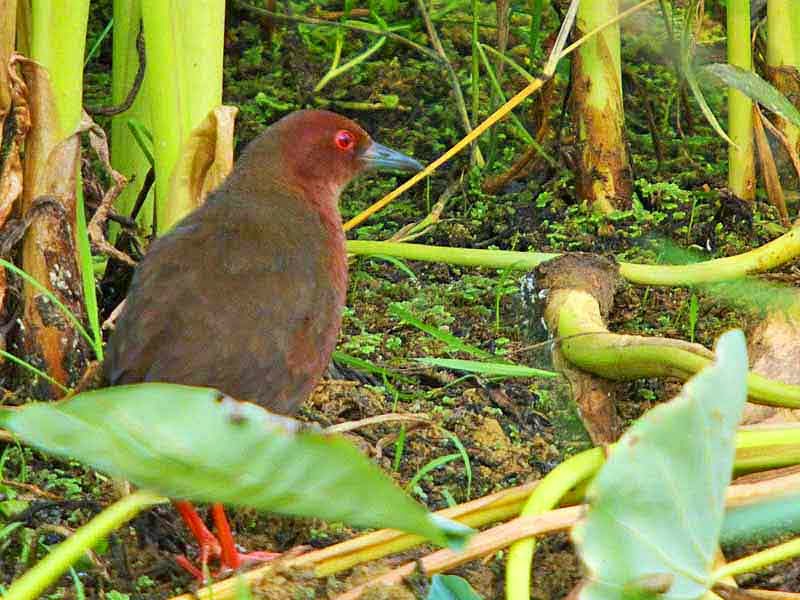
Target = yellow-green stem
(741,168)
(58,43)
(783,51)
(33,583)
(769,256)
(184,45)
(756,561)
(546,496)
(126,155)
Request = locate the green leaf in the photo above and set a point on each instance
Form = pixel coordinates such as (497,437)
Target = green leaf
(486,368)
(197,444)
(752,86)
(656,507)
(450,587)
(454,343)
(691,79)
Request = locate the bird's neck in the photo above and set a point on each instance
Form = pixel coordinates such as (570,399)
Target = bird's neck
(337,253)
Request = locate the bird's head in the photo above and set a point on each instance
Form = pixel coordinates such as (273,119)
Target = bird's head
(321,151)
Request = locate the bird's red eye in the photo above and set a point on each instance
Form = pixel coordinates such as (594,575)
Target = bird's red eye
(344,140)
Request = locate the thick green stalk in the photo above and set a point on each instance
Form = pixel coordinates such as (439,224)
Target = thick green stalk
(783,51)
(58,43)
(769,256)
(741,168)
(126,155)
(587,344)
(33,583)
(184,46)
(546,496)
(475,84)
(604,173)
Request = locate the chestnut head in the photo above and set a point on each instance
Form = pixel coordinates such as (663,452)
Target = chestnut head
(320,150)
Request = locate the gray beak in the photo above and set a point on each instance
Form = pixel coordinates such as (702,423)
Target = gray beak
(378,156)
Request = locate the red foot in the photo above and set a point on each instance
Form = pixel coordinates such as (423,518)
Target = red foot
(211,546)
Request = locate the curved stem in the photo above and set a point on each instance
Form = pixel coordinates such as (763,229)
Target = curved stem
(547,495)
(33,583)
(589,345)
(758,560)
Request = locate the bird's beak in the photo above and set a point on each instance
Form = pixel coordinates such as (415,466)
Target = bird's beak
(378,156)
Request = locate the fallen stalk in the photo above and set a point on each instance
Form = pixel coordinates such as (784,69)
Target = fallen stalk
(769,256)
(492,540)
(762,449)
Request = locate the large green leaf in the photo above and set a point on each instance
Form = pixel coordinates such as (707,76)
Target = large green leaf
(752,86)
(451,587)
(656,507)
(198,444)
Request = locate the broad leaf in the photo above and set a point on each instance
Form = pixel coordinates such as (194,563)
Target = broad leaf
(656,507)
(451,587)
(197,444)
(752,86)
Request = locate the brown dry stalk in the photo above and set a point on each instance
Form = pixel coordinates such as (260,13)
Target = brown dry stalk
(378,544)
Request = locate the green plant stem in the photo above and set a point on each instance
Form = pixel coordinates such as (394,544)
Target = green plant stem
(783,50)
(741,168)
(184,50)
(510,62)
(587,344)
(33,583)
(769,256)
(58,43)
(751,563)
(523,133)
(336,71)
(26,365)
(762,449)
(546,496)
(475,84)
(128,157)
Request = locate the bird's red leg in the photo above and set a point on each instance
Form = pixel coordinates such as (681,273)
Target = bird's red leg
(207,541)
(228,553)
(229,556)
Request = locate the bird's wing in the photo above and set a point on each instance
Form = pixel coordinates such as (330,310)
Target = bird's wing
(238,297)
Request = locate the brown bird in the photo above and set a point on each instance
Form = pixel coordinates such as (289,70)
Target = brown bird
(245,294)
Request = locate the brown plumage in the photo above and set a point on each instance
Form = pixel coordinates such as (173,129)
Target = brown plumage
(245,294)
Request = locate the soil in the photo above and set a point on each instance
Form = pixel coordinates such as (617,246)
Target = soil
(514,430)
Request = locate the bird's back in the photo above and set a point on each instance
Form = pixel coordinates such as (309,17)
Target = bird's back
(242,295)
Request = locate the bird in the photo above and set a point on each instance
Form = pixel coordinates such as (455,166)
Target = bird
(245,294)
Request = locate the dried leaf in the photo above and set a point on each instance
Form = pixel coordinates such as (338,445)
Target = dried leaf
(206,159)
(768,169)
